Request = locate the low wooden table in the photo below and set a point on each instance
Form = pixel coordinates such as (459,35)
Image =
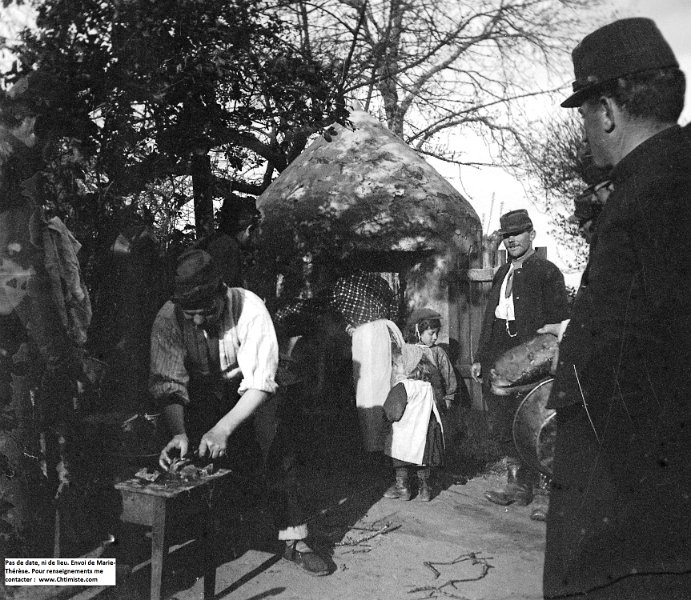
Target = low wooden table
(157,505)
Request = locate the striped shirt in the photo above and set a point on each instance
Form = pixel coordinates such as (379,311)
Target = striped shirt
(246,340)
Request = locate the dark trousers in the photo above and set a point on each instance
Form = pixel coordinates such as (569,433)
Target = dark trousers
(263,446)
(500,409)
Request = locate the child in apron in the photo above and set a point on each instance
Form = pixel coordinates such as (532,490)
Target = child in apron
(415,441)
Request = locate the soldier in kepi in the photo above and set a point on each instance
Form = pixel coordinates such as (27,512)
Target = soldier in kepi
(619,519)
(527,294)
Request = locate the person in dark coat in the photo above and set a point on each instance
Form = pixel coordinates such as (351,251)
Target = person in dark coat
(527,293)
(619,521)
(238,224)
(588,206)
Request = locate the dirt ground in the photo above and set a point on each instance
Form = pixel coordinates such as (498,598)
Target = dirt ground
(456,546)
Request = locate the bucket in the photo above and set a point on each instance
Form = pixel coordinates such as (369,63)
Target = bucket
(534,429)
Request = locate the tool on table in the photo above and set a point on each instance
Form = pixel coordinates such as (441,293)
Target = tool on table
(189,468)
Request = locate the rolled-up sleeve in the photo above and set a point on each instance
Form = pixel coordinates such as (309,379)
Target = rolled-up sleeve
(257,354)
(168,376)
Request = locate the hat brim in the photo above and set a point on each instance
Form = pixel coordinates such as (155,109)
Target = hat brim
(575,100)
(515,231)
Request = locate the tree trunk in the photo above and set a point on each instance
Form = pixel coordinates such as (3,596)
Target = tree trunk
(201,185)
(387,75)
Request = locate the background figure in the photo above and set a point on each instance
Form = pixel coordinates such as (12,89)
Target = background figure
(369,307)
(619,520)
(416,438)
(588,206)
(238,223)
(527,293)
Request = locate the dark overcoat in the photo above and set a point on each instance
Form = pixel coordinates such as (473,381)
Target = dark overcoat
(620,505)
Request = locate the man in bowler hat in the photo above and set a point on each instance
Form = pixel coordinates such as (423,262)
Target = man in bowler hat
(619,520)
(527,294)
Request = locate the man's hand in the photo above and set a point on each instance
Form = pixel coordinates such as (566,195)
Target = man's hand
(179,442)
(215,442)
(476,372)
(556,329)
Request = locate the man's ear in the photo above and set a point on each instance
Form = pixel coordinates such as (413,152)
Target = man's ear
(609,114)
(533,233)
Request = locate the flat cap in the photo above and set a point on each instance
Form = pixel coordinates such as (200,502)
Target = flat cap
(621,48)
(516,221)
(196,279)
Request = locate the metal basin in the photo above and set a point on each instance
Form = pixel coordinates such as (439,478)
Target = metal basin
(534,429)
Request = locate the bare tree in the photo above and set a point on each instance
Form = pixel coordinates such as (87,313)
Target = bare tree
(557,159)
(428,67)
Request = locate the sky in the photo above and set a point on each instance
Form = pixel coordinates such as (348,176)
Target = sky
(481,186)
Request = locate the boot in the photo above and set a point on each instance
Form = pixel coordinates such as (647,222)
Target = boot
(400,489)
(424,492)
(525,484)
(518,489)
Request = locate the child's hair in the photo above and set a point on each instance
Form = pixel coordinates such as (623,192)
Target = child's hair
(422,371)
(415,330)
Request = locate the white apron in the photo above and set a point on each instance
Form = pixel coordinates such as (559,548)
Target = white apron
(407,438)
(371,348)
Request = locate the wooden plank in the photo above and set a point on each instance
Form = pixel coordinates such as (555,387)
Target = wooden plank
(169,488)
(159,546)
(481,275)
(464,371)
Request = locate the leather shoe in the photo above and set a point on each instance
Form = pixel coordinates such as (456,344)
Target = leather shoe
(538,514)
(500,498)
(308,559)
(513,494)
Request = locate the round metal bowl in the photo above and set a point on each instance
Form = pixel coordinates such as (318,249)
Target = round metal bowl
(534,429)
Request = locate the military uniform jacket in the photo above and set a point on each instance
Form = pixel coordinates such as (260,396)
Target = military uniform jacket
(539,297)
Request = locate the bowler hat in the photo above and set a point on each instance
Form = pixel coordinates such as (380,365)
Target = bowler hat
(621,48)
(196,279)
(516,221)
(422,313)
